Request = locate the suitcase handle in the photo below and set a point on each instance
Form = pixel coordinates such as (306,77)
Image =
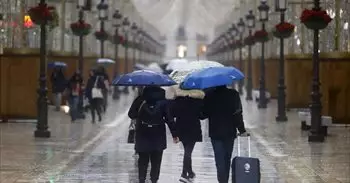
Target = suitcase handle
(239,145)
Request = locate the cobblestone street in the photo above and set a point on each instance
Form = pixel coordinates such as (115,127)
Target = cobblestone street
(83,152)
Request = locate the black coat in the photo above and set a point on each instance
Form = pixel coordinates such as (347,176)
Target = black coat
(91,84)
(224,109)
(188,112)
(153,138)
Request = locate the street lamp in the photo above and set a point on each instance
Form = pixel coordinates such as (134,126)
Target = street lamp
(81,6)
(316,134)
(117,17)
(250,24)
(281,6)
(141,37)
(42,119)
(126,26)
(233,31)
(264,16)
(102,8)
(134,31)
(241,28)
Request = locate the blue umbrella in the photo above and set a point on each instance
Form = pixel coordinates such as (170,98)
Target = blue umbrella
(56,64)
(211,77)
(144,78)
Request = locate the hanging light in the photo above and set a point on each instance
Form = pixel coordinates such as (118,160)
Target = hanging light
(281,5)
(82,3)
(264,11)
(134,29)
(241,25)
(102,10)
(233,30)
(117,17)
(250,19)
(126,24)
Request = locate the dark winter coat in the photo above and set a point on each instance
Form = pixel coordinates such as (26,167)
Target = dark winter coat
(188,112)
(58,82)
(91,84)
(224,109)
(151,114)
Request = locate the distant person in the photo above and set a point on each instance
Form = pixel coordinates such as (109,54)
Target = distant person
(101,71)
(151,114)
(223,108)
(59,84)
(74,90)
(95,81)
(187,109)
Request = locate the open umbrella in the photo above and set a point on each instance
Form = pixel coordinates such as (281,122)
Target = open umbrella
(154,67)
(140,66)
(105,61)
(180,74)
(56,64)
(176,64)
(144,78)
(211,77)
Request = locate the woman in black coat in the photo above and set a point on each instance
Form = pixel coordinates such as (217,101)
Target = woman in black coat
(187,109)
(150,113)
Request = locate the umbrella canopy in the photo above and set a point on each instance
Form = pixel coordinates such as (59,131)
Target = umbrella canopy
(56,64)
(140,67)
(211,77)
(179,75)
(154,67)
(105,61)
(144,78)
(175,64)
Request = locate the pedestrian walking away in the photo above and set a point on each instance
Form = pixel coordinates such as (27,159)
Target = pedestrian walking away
(187,110)
(151,114)
(223,108)
(73,91)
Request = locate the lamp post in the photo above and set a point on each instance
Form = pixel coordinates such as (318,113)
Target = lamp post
(233,31)
(126,26)
(141,35)
(281,6)
(102,8)
(81,5)
(226,37)
(316,106)
(241,27)
(42,119)
(134,31)
(250,24)
(264,16)
(117,17)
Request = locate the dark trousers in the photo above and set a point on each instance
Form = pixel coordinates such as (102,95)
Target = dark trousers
(105,100)
(187,161)
(156,161)
(223,153)
(95,105)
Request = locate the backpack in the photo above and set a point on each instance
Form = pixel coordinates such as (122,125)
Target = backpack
(151,115)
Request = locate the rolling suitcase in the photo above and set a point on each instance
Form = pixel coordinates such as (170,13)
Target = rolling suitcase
(245,169)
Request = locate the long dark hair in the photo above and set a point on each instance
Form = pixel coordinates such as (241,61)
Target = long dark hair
(77,78)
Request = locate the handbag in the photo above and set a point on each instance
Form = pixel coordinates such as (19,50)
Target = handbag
(132,127)
(96,92)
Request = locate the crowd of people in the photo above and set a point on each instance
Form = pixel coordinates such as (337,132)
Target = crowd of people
(151,111)
(75,89)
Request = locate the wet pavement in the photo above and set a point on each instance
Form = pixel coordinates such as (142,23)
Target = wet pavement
(86,153)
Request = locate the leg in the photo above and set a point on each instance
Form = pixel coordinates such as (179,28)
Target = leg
(98,108)
(228,145)
(58,98)
(156,161)
(105,98)
(219,154)
(143,165)
(187,160)
(72,108)
(92,109)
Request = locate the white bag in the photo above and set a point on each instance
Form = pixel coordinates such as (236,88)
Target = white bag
(96,92)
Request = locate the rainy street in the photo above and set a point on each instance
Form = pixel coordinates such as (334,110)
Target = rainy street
(85,155)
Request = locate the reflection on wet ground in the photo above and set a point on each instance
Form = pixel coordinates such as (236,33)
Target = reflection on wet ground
(285,155)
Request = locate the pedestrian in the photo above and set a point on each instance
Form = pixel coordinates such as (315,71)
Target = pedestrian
(58,82)
(187,110)
(95,81)
(73,91)
(223,108)
(151,114)
(101,71)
